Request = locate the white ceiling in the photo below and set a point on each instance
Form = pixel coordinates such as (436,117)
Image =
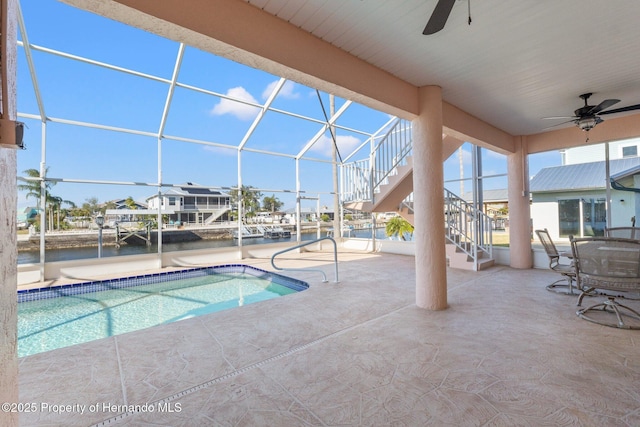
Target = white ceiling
(517,62)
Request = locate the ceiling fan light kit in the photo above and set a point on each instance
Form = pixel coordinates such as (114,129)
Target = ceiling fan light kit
(588,116)
(588,123)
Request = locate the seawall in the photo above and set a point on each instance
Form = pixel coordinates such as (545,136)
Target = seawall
(90,238)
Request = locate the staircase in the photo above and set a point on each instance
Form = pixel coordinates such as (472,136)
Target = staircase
(468,233)
(384,183)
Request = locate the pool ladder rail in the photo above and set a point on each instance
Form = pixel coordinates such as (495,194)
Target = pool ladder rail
(324,276)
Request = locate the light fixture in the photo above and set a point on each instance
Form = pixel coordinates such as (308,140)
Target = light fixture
(99,220)
(588,123)
(11,134)
(100,223)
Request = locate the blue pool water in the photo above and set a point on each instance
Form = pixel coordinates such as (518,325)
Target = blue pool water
(52,318)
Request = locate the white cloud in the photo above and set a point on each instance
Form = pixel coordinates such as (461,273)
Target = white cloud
(220,150)
(346,144)
(454,159)
(238,109)
(288,90)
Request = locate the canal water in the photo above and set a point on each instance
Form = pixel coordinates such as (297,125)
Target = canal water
(68,254)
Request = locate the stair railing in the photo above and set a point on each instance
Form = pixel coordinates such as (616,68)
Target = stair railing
(467,227)
(362,178)
(407,204)
(391,152)
(356,179)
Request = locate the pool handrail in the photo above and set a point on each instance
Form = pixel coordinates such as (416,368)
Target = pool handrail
(324,276)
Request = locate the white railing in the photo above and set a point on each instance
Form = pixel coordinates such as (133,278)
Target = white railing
(392,151)
(356,178)
(386,156)
(467,227)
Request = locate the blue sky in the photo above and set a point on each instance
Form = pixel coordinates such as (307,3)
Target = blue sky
(77,91)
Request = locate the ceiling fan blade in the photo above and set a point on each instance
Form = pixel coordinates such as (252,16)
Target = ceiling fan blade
(560,117)
(621,110)
(558,124)
(603,105)
(439,17)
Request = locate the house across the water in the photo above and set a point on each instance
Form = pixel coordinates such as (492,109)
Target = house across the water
(192,204)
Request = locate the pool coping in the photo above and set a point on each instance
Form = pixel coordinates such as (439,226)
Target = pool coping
(34,294)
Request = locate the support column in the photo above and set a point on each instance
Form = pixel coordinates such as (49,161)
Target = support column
(8,211)
(519,209)
(428,200)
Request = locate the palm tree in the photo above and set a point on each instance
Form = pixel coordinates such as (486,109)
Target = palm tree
(250,199)
(398,226)
(131,204)
(33,189)
(91,205)
(55,205)
(271,204)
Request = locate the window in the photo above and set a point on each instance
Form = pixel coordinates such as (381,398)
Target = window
(582,217)
(172,201)
(630,151)
(594,217)
(569,217)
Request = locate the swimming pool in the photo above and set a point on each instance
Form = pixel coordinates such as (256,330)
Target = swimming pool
(50,318)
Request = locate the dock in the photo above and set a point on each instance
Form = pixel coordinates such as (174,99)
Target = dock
(124,234)
(267,232)
(277,233)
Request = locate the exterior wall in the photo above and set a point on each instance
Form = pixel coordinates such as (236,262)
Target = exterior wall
(544,214)
(8,281)
(212,202)
(8,215)
(596,153)
(544,208)
(154,201)
(623,208)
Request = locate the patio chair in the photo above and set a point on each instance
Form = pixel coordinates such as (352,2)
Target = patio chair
(607,264)
(623,232)
(567,271)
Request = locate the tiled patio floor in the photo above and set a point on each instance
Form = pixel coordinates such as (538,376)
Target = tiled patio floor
(505,353)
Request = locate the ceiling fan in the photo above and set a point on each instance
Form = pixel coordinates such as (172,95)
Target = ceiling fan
(440,15)
(588,116)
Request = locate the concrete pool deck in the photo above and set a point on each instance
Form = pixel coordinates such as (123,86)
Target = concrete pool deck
(506,352)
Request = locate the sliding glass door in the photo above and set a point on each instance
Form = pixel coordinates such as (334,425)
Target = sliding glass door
(582,217)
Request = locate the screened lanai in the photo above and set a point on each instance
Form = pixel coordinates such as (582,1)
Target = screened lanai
(488,82)
(165,115)
(389,80)
(140,114)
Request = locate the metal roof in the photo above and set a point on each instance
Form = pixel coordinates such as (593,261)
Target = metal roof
(582,176)
(625,173)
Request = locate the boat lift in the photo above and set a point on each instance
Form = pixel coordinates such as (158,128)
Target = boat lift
(123,233)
